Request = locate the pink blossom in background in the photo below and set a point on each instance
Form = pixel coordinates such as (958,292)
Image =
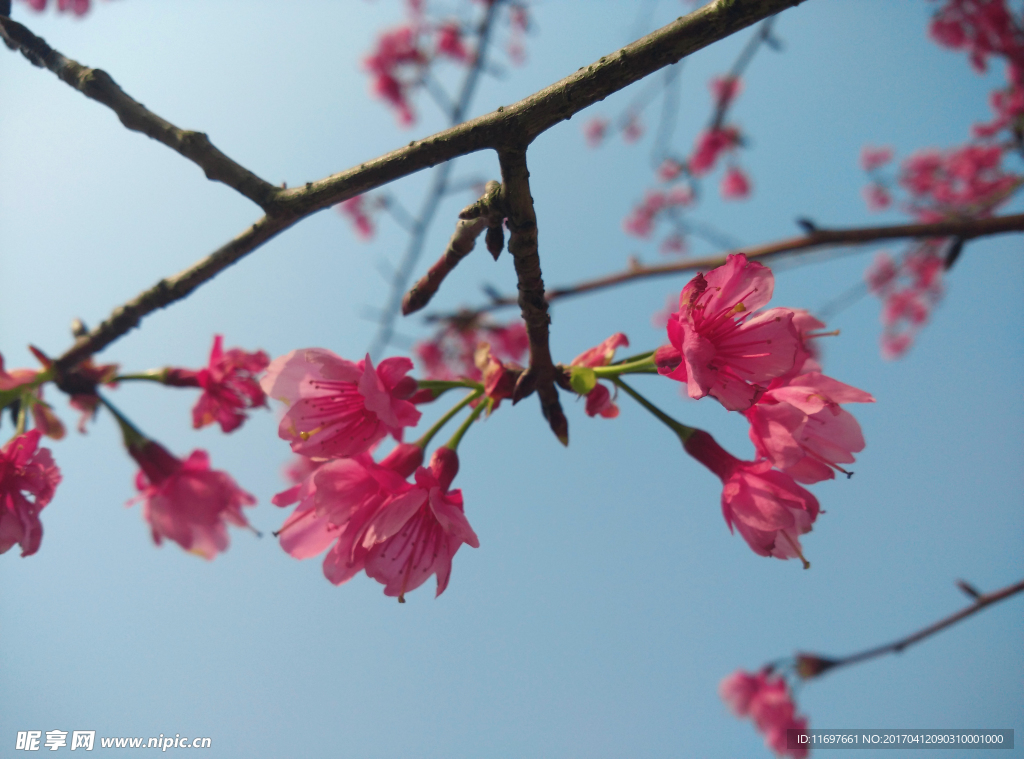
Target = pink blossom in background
(766,506)
(725,89)
(28,480)
(186,501)
(1008,105)
(881,272)
(669,170)
(633,129)
(450,354)
(450,44)
(876,197)
(711,144)
(872,158)
(339,407)
(674,244)
(415,535)
(982,28)
(594,131)
(394,65)
(16,377)
(599,399)
(229,386)
(767,700)
(640,222)
(968,180)
(719,346)
(519,25)
(798,426)
(356,211)
(735,184)
(78,7)
(909,290)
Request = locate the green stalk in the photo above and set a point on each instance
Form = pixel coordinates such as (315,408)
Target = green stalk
(132,437)
(424,441)
(464,427)
(679,428)
(644,365)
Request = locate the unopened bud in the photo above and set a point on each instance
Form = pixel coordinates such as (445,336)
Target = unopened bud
(445,465)
(404,459)
(810,665)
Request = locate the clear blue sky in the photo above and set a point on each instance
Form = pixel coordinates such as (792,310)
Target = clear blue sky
(607,598)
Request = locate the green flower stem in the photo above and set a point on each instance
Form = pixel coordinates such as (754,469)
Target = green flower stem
(464,427)
(679,428)
(635,357)
(132,437)
(22,416)
(153,375)
(640,366)
(424,441)
(440,387)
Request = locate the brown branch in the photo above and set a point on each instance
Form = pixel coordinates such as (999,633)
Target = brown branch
(522,244)
(965,229)
(810,665)
(99,86)
(517,124)
(486,213)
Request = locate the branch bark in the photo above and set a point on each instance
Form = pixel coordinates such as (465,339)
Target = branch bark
(965,229)
(100,86)
(522,244)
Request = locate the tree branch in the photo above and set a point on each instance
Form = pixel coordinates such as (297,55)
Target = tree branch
(517,124)
(522,225)
(811,665)
(99,86)
(965,229)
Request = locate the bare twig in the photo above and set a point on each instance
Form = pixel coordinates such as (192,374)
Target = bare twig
(966,229)
(522,225)
(517,124)
(99,86)
(820,664)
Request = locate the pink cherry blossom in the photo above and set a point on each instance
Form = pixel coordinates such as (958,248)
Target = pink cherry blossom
(599,399)
(735,184)
(711,144)
(966,180)
(356,211)
(719,345)
(415,535)
(767,700)
(395,65)
(909,290)
(669,170)
(28,480)
(337,407)
(594,131)
(872,158)
(798,426)
(1008,105)
(981,27)
(450,44)
(725,89)
(229,385)
(673,245)
(451,353)
(78,7)
(186,501)
(767,507)
(881,272)
(633,129)
(876,197)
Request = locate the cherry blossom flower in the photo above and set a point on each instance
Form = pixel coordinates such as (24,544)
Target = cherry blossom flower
(28,480)
(451,353)
(186,501)
(78,7)
(674,245)
(909,291)
(450,44)
(798,426)
(229,386)
(981,27)
(356,211)
(719,346)
(766,699)
(1008,105)
(394,65)
(735,184)
(766,506)
(337,407)
(876,197)
(599,399)
(594,131)
(711,144)
(872,158)
(16,377)
(415,535)
(669,170)
(633,129)
(967,180)
(640,222)
(725,89)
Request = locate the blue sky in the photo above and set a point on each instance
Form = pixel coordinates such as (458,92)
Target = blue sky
(607,598)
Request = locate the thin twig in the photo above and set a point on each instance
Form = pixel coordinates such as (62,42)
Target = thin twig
(99,86)
(897,646)
(967,229)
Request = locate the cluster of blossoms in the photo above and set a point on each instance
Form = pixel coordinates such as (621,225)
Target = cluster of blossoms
(767,700)
(965,182)
(369,515)
(184,501)
(452,352)
(401,61)
(78,7)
